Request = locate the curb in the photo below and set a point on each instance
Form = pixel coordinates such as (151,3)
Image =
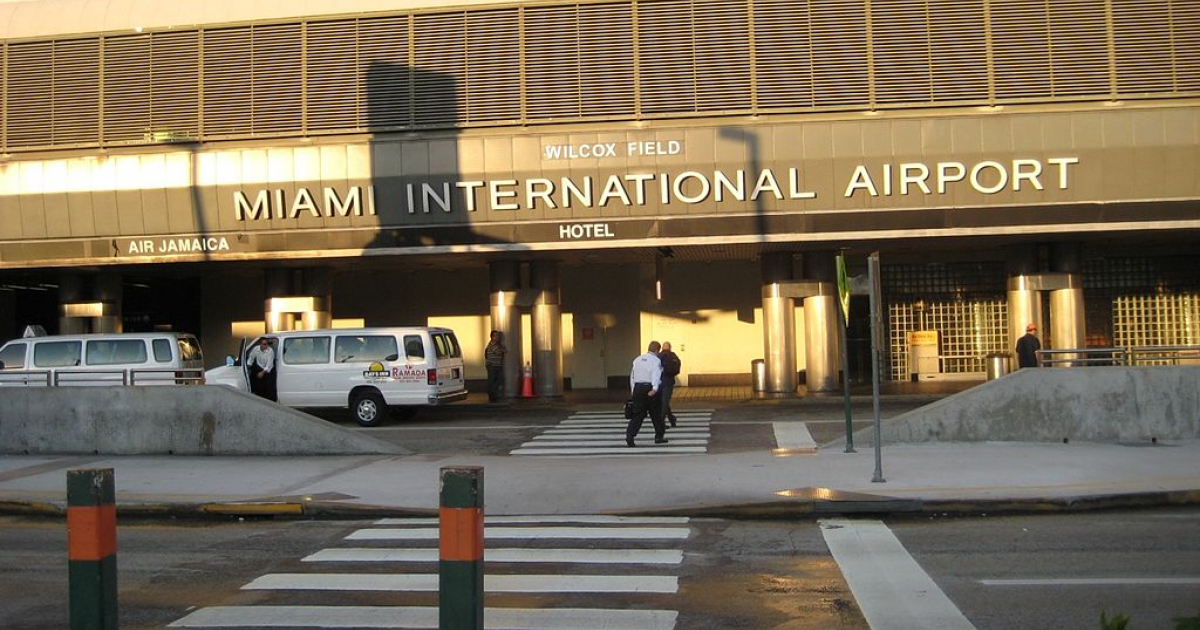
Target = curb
(768,510)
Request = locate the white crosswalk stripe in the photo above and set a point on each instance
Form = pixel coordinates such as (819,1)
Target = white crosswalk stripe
(634,560)
(602,434)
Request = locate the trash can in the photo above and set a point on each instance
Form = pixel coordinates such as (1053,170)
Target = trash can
(758,375)
(997,364)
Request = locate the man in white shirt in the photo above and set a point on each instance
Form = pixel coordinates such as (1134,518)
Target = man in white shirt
(645,378)
(261,362)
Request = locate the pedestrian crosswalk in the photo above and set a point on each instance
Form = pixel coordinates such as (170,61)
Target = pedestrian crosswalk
(602,434)
(625,569)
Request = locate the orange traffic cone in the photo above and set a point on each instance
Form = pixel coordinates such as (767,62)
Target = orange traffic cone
(527,382)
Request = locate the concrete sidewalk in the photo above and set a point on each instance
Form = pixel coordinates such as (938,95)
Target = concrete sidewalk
(920,478)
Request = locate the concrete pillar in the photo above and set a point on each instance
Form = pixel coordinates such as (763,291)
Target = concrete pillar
(109,293)
(505,282)
(547,329)
(821,330)
(1024,300)
(70,291)
(1067,323)
(90,304)
(297,299)
(779,325)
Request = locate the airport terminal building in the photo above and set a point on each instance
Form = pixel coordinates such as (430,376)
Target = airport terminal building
(587,176)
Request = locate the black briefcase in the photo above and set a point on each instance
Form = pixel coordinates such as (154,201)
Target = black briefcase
(629,409)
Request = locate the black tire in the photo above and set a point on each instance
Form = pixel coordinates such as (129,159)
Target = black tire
(368,408)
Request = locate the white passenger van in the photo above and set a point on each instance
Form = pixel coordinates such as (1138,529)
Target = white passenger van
(367,370)
(162,358)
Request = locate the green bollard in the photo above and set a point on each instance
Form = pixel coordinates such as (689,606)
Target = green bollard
(460,545)
(92,549)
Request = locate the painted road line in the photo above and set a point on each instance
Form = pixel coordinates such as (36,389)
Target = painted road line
(428,582)
(577,556)
(593,519)
(528,533)
(686,412)
(793,436)
(423,618)
(698,432)
(554,442)
(1129,581)
(640,451)
(892,590)
(608,435)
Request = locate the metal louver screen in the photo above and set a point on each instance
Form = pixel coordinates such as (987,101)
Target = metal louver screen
(227,82)
(839,41)
(30,94)
(127,94)
(1185,44)
(1078,47)
(552,62)
(76,118)
(783,63)
(385,74)
(606,60)
(666,57)
(278,108)
(439,68)
(493,55)
(175,86)
(331,75)
(723,61)
(900,45)
(1021,49)
(959,50)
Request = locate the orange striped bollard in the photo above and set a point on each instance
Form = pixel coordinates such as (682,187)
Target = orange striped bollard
(460,530)
(92,549)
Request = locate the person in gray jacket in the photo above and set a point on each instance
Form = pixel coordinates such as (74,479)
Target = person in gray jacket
(671,366)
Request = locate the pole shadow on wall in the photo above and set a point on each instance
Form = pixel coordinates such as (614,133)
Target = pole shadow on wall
(420,196)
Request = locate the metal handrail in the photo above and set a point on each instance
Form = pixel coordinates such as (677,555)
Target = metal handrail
(142,376)
(1129,356)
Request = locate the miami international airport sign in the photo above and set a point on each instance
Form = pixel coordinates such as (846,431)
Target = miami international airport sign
(687,187)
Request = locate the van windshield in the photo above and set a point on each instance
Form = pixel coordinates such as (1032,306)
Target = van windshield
(189,349)
(12,357)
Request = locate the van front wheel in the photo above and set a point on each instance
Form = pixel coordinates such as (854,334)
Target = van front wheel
(369,408)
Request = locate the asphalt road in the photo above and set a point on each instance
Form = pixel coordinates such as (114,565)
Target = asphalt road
(1000,573)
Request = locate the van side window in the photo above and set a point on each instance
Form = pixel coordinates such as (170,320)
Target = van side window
(162,350)
(305,350)
(414,347)
(455,350)
(439,344)
(365,348)
(116,351)
(12,357)
(53,354)
(189,349)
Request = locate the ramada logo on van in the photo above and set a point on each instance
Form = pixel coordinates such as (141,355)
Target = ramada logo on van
(377,370)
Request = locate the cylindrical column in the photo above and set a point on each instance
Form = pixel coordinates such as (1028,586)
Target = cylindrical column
(779,325)
(821,354)
(547,329)
(505,281)
(92,549)
(1067,322)
(1024,301)
(460,545)
(278,283)
(318,283)
(70,291)
(110,294)
(821,344)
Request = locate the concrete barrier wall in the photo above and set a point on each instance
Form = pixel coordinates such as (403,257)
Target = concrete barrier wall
(208,420)
(1049,404)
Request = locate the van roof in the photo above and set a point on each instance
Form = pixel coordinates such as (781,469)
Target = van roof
(87,336)
(384,330)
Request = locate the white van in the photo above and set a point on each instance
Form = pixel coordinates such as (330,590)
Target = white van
(164,358)
(367,370)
